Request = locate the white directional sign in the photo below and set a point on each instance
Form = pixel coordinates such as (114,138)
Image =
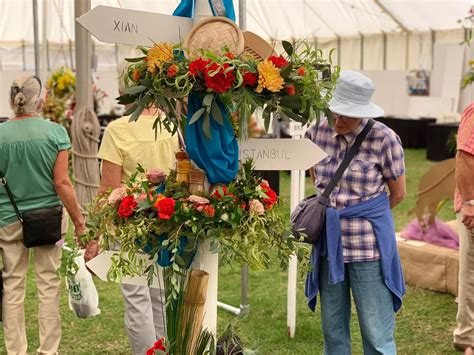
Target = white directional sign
(101,264)
(138,28)
(281,154)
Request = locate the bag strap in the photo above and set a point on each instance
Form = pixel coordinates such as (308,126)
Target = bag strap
(3,181)
(347,159)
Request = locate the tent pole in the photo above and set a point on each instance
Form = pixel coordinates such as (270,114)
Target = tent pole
(36,37)
(407,52)
(339,50)
(433,40)
(361,51)
(243,15)
(44,41)
(384,51)
(391,15)
(83,58)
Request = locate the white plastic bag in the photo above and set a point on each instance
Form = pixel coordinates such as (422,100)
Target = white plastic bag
(83,296)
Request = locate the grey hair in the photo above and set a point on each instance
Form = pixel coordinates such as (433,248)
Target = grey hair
(25,93)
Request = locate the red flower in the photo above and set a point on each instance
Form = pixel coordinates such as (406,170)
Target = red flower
(250,79)
(279,62)
(301,71)
(271,196)
(157,346)
(172,70)
(217,195)
(243,205)
(165,207)
(209,210)
(290,89)
(136,75)
(229,55)
(127,206)
(198,67)
(220,82)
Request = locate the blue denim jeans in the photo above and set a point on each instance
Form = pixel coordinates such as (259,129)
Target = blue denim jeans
(374,307)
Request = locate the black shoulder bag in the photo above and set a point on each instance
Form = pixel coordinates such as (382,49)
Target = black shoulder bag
(41,226)
(309,217)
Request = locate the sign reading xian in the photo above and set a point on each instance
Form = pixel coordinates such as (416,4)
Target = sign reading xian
(137,28)
(281,154)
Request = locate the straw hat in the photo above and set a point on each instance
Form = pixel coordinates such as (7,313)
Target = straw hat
(213,33)
(352,96)
(256,47)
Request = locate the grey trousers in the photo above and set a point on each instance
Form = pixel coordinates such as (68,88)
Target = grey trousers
(145,319)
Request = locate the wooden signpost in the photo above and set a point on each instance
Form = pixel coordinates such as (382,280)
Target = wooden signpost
(138,28)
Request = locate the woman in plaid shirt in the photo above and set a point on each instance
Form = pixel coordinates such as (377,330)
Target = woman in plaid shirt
(369,262)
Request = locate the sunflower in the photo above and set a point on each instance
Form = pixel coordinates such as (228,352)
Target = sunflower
(158,55)
(269,77)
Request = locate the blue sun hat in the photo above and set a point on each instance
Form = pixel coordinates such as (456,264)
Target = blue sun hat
(352,96)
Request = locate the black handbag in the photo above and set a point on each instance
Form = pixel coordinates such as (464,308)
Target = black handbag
(309,217)
(41,226)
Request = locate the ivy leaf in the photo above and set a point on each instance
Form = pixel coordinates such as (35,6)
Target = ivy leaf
(130,110)
(216,113)
(206,125)
(196,116)
(135,89)
(134,60)
(267,116)
(288,47)
(207,102)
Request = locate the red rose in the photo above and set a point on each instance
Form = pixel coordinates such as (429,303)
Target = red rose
(220,82)
(172,70)
(290,89)
(249,79)
(271,196)
(301,71)
(217,195)
(165,207)
(157,346)
(127,206)
(209,210)
(279,61)
(198,67)
(136,75)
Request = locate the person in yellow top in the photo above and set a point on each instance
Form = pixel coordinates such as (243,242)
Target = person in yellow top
(124,145)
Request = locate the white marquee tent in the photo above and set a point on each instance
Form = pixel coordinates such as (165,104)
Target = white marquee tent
(385,38)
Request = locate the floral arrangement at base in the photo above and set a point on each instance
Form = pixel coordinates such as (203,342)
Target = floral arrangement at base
(163,218)
(297,84)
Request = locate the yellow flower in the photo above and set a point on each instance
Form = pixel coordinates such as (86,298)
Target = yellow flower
(471,62)
(269,77)
(158,55)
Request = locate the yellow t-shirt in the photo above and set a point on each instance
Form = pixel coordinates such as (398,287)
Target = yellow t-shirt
(129,143)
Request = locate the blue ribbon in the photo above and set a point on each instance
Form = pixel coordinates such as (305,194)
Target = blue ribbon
(219,155)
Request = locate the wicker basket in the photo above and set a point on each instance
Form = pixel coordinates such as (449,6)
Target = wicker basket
(212,34)
(256,47)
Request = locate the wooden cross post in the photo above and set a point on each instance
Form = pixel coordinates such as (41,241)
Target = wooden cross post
(139,28)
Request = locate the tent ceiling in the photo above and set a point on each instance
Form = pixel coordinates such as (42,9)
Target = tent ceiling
(272,19)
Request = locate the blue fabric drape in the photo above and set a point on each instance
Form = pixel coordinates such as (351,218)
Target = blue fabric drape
(186,9)
(219,155)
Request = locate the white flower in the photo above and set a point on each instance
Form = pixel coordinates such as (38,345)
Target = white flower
(225,217)
(198,200)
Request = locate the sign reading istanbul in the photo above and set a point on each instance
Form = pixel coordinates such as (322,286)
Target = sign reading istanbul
(137,28)
(281,154)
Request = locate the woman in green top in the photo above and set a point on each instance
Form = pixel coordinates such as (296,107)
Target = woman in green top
(34,159)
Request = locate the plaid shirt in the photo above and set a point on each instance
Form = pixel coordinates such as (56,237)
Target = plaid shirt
(380,158)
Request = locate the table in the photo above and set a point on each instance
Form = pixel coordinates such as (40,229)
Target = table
(437,135)
(412,132)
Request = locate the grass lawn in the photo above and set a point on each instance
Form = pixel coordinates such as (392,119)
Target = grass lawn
(424,325)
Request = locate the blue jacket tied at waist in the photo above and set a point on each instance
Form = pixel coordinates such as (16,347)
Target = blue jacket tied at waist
(377,212)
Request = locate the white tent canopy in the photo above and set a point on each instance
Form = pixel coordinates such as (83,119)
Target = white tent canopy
(369,35)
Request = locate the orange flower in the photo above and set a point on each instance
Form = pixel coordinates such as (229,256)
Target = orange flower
(301,71)
(172,70)
(229,55)
(136,75)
